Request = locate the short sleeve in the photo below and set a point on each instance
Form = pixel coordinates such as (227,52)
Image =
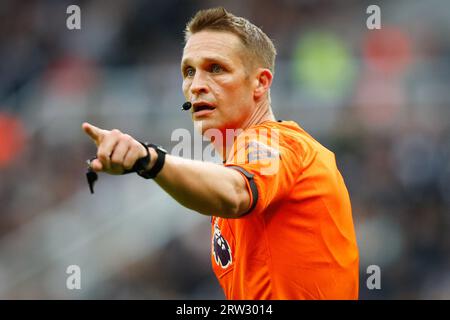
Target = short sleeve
(270,165)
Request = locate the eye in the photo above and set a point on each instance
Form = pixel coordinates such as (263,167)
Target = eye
(189,72)
(216,68)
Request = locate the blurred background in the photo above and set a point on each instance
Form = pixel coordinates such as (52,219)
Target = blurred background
(380,99)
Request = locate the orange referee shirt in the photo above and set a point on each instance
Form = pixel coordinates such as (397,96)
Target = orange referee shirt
(297,240)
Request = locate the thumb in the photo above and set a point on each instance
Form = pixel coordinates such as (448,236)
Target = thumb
(96,165)
(95,133)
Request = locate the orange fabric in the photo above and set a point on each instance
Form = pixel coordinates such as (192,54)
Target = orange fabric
(299,241)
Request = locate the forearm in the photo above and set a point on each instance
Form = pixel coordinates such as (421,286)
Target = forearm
(207,188)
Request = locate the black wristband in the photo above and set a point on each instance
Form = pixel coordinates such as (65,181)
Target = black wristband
(157,167)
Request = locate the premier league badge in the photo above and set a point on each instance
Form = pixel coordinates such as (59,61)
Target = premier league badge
(221,248)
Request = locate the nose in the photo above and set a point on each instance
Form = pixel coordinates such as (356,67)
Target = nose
(199,84)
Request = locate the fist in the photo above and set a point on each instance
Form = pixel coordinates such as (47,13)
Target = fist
(116,151)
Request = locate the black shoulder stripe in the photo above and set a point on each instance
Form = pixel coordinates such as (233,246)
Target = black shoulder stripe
(252,184)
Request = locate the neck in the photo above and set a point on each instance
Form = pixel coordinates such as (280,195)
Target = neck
(263,112)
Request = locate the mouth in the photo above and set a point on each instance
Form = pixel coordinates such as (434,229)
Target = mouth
(202,108)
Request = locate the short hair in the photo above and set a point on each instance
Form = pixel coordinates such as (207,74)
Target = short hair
(253,38)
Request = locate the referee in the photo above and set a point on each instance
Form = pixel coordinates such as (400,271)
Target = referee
(281,224)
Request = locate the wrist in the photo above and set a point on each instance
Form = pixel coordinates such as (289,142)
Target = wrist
(153,158)
(149,166)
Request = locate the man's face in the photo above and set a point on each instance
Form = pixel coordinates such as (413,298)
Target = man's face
(216,80)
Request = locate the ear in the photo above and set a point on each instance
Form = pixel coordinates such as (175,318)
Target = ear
(263,81)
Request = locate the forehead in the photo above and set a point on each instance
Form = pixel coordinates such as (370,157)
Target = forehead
(217,45)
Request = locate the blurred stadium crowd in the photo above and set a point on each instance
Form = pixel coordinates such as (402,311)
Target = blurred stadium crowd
(379,99)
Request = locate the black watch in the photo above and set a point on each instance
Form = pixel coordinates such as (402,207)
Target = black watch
(142,163)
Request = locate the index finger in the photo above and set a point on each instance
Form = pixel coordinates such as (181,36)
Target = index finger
(95,133)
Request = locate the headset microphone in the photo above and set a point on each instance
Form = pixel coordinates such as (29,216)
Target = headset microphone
(186,106)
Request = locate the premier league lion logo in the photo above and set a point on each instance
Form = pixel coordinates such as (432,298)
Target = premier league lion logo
(221,249)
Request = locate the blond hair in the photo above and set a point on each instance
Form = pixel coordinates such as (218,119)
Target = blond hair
(255,41)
